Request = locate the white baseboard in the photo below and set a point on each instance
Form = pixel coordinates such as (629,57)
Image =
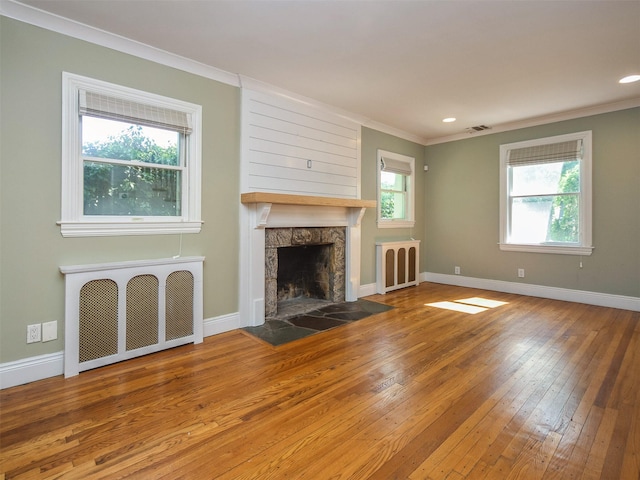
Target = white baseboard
(31,369)
(366,290)
(223,323)
(568,295)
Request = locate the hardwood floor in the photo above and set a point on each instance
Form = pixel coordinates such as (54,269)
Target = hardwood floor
(530,389)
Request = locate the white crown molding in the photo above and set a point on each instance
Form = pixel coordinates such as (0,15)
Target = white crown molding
(263,87)
(259,86)
(381,127)
(546,119)
(555,293)
(56,23)
(64,26)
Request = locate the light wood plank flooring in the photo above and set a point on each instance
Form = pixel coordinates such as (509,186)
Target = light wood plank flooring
(530,389)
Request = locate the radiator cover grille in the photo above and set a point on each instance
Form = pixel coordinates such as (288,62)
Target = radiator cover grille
(98,319)
(142,311)
(118,311)
(179,304)
(397,265)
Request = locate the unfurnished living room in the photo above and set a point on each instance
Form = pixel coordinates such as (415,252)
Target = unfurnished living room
(330,239)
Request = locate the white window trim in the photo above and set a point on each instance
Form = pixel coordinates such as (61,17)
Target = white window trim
(585,245)
(409,222)
(73,222)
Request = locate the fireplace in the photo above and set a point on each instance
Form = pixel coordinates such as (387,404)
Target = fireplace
(304,271)
(272,220)
(301,264)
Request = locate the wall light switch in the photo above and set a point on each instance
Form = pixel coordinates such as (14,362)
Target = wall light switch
(49,331)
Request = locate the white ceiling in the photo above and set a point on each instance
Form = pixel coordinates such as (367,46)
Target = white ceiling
(404,64)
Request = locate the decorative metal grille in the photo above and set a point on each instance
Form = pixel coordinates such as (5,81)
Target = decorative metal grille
(179,305)
(142,311)
(123,310)
(98,322)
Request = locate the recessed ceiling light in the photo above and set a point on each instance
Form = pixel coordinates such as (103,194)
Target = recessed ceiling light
(449,119)
(630,79)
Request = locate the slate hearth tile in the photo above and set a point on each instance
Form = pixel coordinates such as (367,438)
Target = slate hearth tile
(279,332)
(341,307)
(315,323)
(374,307)
(280,335)
(348,316)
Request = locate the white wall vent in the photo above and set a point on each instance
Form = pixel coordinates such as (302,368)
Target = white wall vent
(397,265)
(118,311)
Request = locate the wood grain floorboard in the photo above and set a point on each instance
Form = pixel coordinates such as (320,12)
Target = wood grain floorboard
(531,389)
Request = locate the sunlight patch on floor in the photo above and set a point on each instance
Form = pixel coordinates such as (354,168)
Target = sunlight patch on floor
(482,302)
(471,305)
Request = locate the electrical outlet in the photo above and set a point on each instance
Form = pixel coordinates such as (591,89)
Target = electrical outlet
(521,273)
(49,331)
(456,270)
(33,333)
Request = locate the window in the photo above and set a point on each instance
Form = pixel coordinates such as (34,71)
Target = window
(395,190)
(545,191)
(130,161)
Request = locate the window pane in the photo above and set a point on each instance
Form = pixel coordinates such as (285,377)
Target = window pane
(392,181)
(129,190)
(104,138)
(546,178)
(545,219)
(392,205)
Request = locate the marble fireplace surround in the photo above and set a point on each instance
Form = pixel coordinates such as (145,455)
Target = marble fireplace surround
(263,210)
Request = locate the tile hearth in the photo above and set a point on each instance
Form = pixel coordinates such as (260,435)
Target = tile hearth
(286,329)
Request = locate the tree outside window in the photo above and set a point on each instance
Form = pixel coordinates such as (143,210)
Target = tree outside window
(545,188)
(395,190)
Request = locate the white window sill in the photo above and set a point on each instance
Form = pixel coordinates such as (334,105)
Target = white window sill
(106,229)
(396,223)
(556,249)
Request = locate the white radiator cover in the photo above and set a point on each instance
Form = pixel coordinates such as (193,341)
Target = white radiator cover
(118,311)
(397,265)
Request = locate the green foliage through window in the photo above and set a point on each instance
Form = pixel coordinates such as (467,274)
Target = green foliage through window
(116,188)
(565,214)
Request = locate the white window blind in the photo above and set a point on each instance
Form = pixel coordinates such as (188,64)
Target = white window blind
(392,165)
(548,153)
(546,195)
(115,108)
(84,98)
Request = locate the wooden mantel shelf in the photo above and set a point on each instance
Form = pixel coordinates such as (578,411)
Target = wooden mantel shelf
(285,199)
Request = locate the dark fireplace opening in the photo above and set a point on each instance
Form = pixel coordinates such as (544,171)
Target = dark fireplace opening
(305,271)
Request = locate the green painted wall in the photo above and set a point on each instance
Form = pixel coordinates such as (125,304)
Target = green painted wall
(462,202)
(371,141)
(456,200)
(32,249)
